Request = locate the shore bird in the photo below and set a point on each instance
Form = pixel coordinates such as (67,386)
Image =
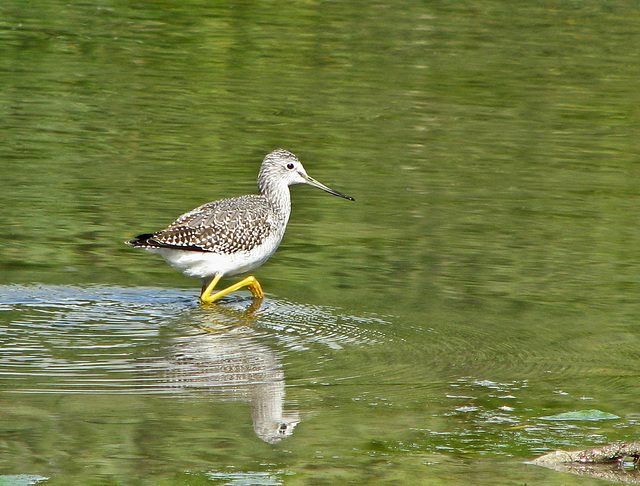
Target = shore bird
(234,236)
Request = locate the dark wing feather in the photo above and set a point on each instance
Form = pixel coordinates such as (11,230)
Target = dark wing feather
(224,226)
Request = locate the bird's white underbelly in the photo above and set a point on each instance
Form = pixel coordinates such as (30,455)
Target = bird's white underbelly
(200,264)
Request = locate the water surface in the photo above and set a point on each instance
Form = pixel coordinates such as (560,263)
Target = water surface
(485,278)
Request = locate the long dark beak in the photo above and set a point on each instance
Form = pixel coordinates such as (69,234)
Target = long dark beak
(312,182)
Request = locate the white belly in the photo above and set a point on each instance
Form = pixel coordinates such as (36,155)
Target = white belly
(206,264)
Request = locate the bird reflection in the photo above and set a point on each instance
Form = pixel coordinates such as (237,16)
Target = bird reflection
(227,356)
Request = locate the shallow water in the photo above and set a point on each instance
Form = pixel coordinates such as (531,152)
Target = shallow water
(141,384)
(484,280)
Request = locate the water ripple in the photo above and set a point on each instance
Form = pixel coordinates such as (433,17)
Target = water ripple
(102,339)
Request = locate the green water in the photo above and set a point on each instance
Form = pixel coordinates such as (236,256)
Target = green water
(485,278)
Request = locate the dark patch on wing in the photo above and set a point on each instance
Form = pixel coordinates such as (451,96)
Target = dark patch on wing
(224,226)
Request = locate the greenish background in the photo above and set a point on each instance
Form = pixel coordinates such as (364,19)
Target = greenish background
(485,277)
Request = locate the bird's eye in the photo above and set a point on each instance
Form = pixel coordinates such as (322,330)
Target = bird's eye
(289,166)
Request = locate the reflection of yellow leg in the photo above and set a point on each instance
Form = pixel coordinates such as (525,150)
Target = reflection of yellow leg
(250,282)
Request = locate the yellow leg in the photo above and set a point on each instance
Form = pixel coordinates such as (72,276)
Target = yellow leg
(205,295)
(250,282)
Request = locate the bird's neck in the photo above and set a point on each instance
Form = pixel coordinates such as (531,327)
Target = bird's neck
(279,197)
